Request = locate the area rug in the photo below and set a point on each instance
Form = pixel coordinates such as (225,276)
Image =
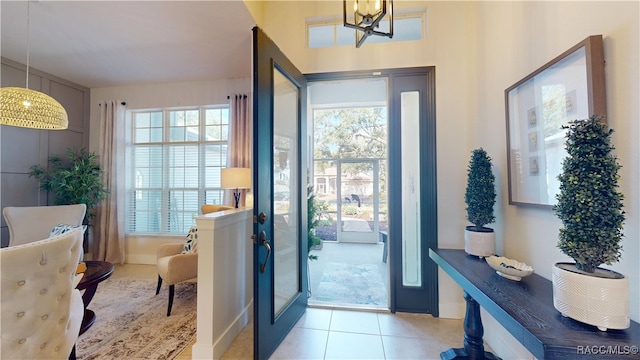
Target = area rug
(359,284)
(132,322)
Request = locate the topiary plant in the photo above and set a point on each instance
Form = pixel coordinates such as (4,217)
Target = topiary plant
(589,204)
(480,195)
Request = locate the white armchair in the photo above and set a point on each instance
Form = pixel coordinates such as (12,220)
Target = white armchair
(40,308)
(33,223)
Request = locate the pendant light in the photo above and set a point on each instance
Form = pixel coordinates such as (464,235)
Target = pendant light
(367,15)
(28,108)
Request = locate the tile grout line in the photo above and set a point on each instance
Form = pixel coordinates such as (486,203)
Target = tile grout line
(384,353)
(326,343)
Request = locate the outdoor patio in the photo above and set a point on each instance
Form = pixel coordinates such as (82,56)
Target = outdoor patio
(349,275)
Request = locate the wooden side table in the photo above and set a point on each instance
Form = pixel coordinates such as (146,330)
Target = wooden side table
(97,271)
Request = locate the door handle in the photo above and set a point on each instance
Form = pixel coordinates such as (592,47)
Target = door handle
(264,242)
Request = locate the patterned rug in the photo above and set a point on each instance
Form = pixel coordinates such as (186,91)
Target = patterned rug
(132,321)
(359,284)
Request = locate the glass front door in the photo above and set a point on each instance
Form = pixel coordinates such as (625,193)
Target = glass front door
(280,271)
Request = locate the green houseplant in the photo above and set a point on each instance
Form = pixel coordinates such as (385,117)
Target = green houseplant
(75,178)
(480,196)
(313,219)
(590,208)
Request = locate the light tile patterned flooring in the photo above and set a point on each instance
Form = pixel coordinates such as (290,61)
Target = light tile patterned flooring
(343,334)
(324,333)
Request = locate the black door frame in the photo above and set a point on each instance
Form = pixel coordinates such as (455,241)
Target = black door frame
(425,298)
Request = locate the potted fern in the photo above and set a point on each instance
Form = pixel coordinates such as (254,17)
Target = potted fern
(480,196)
(75,178)
(590,208)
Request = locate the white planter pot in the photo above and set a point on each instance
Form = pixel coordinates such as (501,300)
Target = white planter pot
(593,300)
(479,243)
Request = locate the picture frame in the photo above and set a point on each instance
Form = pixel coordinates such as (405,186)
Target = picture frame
(571,86)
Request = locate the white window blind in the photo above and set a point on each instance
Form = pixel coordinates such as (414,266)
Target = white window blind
(173,163)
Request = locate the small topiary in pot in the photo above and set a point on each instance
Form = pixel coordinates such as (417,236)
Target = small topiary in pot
(480,197)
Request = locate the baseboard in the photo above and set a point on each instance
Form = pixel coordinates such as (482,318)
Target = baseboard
(203,351)
(452,310)
(141,259)
(502,343)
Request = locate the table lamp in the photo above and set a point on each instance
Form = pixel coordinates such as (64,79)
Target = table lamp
(236,178)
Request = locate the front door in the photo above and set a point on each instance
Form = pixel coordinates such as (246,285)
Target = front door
(280,229)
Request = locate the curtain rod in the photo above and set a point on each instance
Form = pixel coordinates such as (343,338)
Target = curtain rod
(122,103)
(244,96)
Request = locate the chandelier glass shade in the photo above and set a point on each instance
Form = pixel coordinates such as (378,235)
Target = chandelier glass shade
(366,18)
(28,108)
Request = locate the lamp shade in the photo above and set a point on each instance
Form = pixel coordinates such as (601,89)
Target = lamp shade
(28,108)
(236,178)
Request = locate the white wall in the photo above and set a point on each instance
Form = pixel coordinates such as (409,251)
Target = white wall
(142,249)
(479,49)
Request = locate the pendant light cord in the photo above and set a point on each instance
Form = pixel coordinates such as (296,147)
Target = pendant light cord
(28,38)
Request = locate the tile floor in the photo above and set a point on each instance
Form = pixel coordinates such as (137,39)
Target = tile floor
(324,333)
(343,334)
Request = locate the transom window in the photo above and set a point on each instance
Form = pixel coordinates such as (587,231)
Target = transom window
(334,33)
(173,163)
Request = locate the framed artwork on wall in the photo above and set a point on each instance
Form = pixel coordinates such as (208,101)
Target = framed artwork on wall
(569,87)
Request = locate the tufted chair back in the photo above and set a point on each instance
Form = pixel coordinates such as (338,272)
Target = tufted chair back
(33,223)
(40,308)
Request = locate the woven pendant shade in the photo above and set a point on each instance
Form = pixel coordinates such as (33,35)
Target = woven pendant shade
(28,108)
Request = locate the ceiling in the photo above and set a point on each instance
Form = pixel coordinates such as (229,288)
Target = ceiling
(118,43)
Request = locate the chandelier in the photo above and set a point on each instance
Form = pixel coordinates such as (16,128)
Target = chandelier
(367,15)
(28,108)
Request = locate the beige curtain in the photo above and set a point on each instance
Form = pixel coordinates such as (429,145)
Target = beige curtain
(109,228)
(240,140)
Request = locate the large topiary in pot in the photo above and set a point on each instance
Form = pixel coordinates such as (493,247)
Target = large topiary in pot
(75,178)
(480,197)
(590,208)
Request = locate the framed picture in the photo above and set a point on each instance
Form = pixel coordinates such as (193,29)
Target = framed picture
(569,87)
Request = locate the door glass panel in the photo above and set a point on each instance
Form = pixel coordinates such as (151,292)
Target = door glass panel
(411,244)
(286,193)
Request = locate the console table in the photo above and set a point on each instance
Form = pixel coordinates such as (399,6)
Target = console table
(525,308)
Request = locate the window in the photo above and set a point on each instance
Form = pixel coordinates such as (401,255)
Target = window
(173,163)
(328,34)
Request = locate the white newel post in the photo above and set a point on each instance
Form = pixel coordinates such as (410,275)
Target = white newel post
(225,280)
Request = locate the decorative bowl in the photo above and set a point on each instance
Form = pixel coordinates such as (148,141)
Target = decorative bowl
(509,268)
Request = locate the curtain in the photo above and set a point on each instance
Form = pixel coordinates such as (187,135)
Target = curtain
(240,140)
(109,228)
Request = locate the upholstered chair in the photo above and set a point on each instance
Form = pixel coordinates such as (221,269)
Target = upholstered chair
(40,308)
(177,263)
(33,223)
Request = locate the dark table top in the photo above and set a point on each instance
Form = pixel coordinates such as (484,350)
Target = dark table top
(96,272)
(525,308)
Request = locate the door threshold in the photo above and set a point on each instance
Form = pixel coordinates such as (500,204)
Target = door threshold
(354,307)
